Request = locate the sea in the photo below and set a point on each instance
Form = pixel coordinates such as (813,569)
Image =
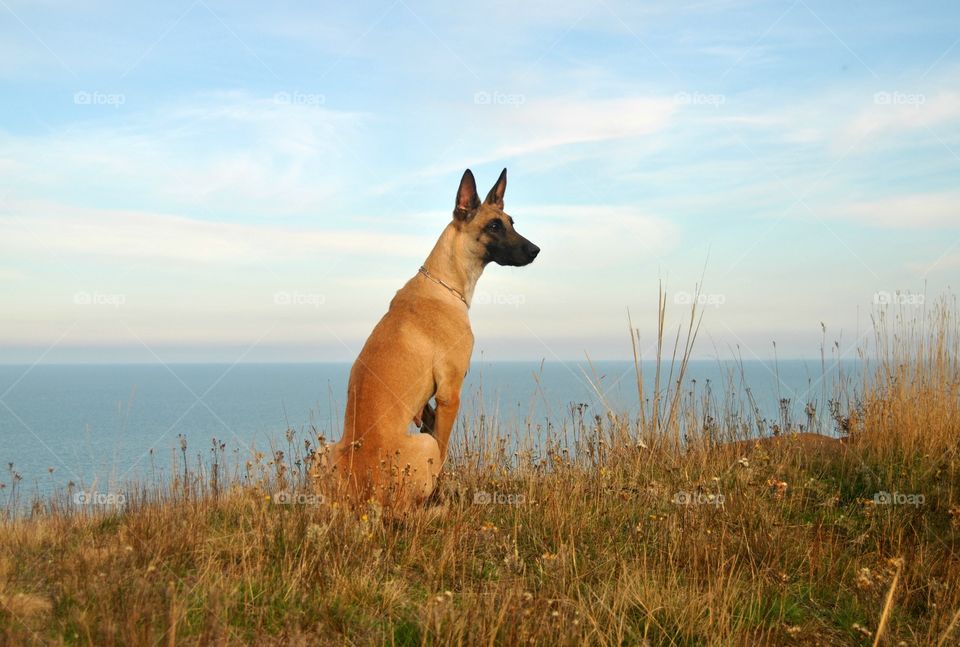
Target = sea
(99,425)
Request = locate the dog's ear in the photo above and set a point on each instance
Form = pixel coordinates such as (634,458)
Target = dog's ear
(495,197)
(467,199)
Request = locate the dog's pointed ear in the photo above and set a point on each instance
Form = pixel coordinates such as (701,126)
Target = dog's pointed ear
(495,197)
(467,199)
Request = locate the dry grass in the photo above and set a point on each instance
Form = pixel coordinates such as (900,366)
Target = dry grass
(782,543)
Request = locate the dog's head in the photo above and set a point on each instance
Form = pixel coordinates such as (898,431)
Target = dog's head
(487,230)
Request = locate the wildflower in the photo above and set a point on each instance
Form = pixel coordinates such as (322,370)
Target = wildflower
(513,561)
(864,579)
(861,629)
(779,487)
(489,526)
(954,513)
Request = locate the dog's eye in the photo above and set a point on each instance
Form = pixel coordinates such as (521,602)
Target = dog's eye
(494,225)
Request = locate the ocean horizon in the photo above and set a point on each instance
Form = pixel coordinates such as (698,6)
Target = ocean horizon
(104,425)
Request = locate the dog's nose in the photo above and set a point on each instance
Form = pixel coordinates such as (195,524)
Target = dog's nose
(532,251)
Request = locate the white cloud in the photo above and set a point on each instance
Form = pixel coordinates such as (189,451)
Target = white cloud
(544,124)
(915,211)
(45,229)
(220,150)
(611,233)
(894,112)
(541,127)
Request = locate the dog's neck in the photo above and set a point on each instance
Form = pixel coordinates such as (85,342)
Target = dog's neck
(451,263)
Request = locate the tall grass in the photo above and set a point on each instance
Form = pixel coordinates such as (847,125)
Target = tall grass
(607,529)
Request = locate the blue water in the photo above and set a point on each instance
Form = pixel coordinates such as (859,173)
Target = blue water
(97,424)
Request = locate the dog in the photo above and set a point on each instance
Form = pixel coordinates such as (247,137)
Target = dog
(421,349)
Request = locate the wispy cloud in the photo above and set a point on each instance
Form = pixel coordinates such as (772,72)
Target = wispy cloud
(515,127)
(46,228)
(545,124)
(896,112)
(222,150)
(917,211)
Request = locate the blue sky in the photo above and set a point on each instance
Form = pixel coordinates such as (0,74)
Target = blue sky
(220,181)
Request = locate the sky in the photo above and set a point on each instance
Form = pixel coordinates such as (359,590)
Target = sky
(204,180)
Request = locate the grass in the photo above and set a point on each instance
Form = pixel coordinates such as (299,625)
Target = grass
(639,530)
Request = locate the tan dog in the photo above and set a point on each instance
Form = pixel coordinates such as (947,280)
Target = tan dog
(421,349)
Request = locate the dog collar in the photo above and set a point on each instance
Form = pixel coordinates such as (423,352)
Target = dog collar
(455,291)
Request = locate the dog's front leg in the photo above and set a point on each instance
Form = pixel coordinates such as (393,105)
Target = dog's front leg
(448,404)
